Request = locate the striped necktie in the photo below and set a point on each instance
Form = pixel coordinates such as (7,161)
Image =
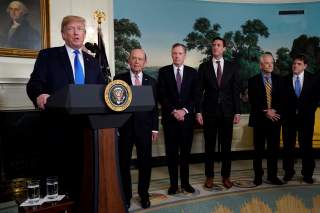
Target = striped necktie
(268,87)
(137,81)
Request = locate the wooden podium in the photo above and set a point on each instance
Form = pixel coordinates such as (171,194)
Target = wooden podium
(102,190)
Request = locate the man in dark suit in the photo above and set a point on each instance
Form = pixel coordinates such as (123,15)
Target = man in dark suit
(54,69)
(177,84)
(218,108)
(140,130)
(264,91)
(299,105)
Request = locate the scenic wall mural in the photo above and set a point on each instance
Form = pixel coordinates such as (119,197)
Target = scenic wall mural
(249,29)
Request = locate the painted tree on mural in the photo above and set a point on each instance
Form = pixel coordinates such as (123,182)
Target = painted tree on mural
(125,39)
(310,47)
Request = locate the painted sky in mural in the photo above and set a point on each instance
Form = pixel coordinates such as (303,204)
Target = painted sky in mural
(164,22)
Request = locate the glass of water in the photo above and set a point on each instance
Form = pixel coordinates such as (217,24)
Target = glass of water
(33,191)
(52,187)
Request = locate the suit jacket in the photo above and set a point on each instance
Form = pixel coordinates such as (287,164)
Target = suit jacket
(258,100)
(304,106)
(52,71)
(140,122)
(170,99)
(210,96)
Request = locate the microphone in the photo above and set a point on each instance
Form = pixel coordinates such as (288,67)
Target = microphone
(93,47)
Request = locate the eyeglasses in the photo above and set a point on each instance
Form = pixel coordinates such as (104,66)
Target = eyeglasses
(74,29)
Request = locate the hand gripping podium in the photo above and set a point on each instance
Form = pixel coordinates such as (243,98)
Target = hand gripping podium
(102,190)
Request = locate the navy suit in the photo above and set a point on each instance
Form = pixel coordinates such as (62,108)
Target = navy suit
(62,134)
(299,117)
(137,131)
(218,106)
(178,134)
(52,71)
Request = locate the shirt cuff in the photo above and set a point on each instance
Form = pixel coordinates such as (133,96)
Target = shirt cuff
(185,110)
(155,131)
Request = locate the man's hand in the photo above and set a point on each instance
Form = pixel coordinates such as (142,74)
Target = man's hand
(199,118)
(42,100)
(179,114)
(155,136)
(236,119)
(272,115)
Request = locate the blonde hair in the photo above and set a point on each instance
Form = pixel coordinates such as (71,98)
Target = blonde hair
(68,19)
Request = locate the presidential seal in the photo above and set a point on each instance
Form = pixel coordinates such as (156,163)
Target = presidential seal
(118,95)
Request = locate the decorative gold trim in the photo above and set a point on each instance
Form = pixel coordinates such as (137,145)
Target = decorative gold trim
(124,97)
(45,36)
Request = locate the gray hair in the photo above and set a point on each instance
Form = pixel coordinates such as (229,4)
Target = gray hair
(20,5)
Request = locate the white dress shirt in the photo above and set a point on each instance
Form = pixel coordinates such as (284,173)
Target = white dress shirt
(215,65)
(301,78)
(72,55)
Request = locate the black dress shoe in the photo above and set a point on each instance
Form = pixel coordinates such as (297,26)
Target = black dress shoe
(308,180)
(257,181)
(145,203)
(288,176)
(275,181)
(187,188)
(172,190)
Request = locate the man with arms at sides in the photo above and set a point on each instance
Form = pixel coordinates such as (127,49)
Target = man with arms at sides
(264,91)
(177,84)
(218,108)
(54,69)
(140,130)
(299,105)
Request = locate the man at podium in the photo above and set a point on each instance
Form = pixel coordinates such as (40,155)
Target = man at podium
(140,130)
(54,69)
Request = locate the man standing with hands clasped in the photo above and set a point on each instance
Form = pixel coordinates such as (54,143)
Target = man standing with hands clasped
(218,108)
(177,85)
(264,91)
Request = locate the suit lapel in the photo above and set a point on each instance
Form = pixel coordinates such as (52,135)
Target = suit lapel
(172,79)
(305,85)
(87,67)
(212,75)
(145,80)
(65,61)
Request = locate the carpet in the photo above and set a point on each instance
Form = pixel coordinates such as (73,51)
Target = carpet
(243,197)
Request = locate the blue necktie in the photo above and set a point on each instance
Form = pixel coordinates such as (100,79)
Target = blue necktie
(297,87)
(78,70)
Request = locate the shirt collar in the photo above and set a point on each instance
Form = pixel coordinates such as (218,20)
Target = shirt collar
(214,60)
(301,75)
(132,74)
(175,67)
(70,50)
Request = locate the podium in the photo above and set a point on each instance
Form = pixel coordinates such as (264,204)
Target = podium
(102,191)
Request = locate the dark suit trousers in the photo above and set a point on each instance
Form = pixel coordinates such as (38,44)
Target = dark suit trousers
(266,131)
(178,138)
(223,126)
(143,149)
(304,128)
